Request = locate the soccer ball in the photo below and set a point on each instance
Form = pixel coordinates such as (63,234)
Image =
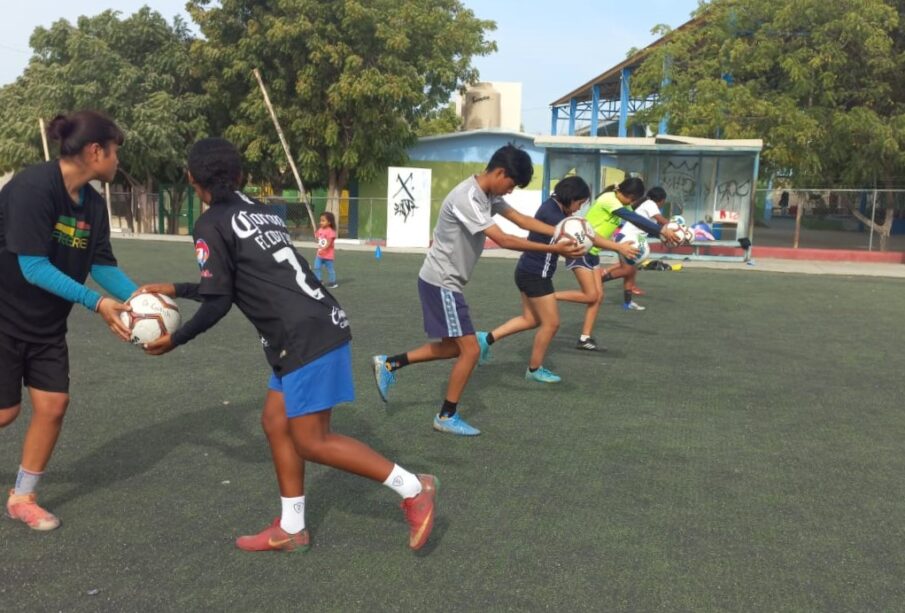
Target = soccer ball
(689,235)
(577,229)
(152,316)
(643,252)
(680,233)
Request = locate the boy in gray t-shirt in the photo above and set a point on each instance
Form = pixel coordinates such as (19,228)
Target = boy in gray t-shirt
(465,222)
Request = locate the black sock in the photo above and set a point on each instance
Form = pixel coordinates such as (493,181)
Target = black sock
(448,409)
(398,361)
(532,369)
(627,296)
(608,277)
(490,340)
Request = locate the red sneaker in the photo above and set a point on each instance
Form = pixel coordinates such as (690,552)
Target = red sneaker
(274,538)
(24,508)
(637,291)
(419,511)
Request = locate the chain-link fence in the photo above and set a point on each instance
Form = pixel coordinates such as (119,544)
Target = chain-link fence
(870,220)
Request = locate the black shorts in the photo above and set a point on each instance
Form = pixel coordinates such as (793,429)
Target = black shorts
(533,285)
(43,366)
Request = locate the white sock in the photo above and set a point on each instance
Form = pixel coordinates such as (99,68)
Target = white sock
(26,481)
(293,519)
(583,337)
(403,482)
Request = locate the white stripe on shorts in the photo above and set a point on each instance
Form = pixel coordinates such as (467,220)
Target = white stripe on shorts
(451,314)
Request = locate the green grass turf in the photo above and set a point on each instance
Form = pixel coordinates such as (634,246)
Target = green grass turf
(740,447)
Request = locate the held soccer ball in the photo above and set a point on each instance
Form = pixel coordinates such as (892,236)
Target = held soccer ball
(152,316)
(577,229)
(680,233)
(643,252)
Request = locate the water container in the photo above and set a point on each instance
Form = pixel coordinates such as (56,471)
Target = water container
(482,107)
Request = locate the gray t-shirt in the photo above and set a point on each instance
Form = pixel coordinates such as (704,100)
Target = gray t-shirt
(459,235)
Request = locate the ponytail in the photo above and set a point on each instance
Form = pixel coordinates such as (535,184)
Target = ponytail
(77,130)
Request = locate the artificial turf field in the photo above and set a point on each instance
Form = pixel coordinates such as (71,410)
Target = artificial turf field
(739,447)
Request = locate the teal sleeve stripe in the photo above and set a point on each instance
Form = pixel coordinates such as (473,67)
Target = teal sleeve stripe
(114,281)
(38,270)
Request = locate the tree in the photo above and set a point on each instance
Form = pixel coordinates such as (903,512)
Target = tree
(137,70)
(349,79)
(818,80)
(441,121)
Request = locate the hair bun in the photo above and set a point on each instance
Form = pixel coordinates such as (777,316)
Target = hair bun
(59,128)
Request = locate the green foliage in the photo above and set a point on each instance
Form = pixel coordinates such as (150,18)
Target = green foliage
(138,70)
(442,121)
(349,79)
(818,80)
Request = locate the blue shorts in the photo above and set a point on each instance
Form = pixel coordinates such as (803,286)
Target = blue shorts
(588,261)
(318,385)
(445,312)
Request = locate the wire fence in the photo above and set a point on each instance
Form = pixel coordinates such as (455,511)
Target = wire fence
(871,220)
(796,218)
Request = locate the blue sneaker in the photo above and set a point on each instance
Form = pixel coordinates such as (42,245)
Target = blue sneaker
(633,306)
(454,425)
(485,348)
(382,375)
(542,375)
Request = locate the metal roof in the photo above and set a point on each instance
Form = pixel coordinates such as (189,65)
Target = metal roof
(662,142)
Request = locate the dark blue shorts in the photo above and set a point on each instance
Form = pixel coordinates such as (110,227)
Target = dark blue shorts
(586,261)
(318,385)
(445,312)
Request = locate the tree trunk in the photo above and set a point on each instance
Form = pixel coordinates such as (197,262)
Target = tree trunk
(336,183)
(884,230)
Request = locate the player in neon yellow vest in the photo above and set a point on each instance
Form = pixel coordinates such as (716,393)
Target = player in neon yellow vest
(608,212)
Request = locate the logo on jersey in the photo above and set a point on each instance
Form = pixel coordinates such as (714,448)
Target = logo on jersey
(339,318)
(202,254)
(70,232)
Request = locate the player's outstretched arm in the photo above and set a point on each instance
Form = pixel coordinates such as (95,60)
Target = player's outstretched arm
(38,270)
(651,227)
(528,223)
(569,249)
(626,250)
(213,309)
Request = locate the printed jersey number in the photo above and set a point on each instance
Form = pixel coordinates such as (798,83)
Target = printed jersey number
(286,254)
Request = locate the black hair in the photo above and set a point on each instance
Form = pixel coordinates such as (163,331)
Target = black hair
(657,194)
(571,189)
(633,188)
(331,218)
(216,166)
(515,162)
(81,128)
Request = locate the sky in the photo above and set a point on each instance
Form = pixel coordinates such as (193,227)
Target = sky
(550,48)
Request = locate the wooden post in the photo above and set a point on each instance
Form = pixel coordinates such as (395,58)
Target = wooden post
(44,139)
(295,171)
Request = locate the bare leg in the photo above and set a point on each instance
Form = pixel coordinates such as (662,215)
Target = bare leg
(445,349)
(469,351)
(48,410)
(545,312)
(316,443)
(9,415)
(289,466)
(591,294)
(525,321)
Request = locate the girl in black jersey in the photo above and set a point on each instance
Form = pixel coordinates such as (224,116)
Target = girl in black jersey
(246,258)
(54,232)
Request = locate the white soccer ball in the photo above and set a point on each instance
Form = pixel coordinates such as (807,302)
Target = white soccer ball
(152,316)
(643,251)
(577,229)
(680,233)
(689,235)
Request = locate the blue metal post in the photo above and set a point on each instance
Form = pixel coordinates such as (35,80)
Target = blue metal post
(545,188)
(573,111)
(555,120)
(624,93)
(595,110)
